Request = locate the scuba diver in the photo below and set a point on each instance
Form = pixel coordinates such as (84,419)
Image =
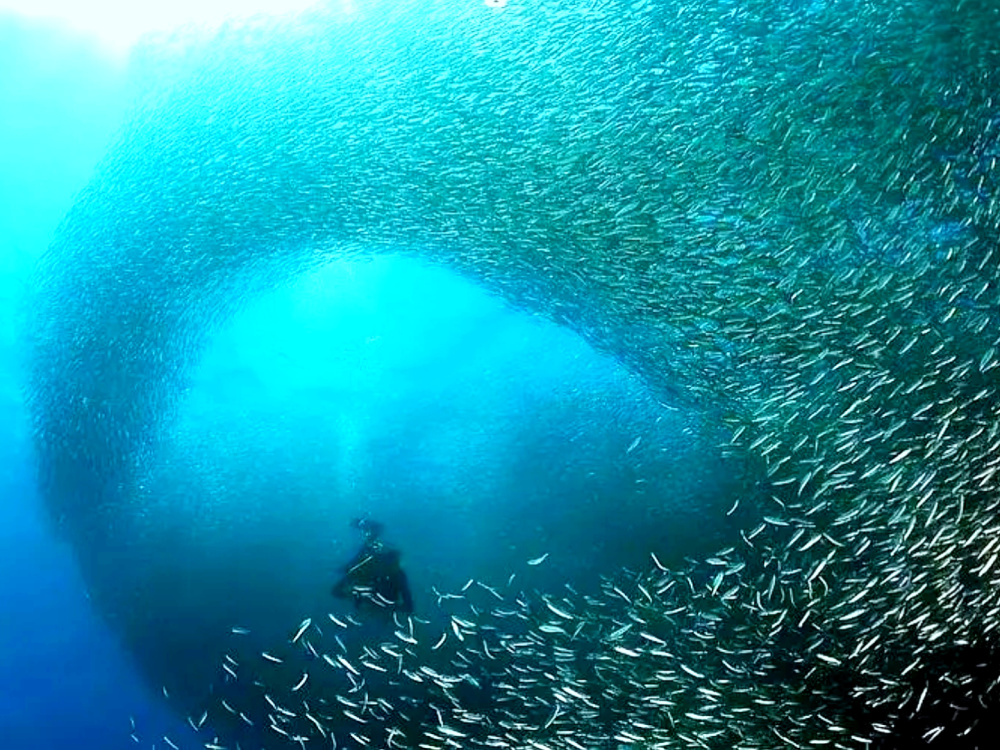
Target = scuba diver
(374,575)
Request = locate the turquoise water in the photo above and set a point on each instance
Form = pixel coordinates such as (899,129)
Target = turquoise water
(65,680)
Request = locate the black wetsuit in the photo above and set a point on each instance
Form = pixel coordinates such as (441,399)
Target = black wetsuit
(374,575)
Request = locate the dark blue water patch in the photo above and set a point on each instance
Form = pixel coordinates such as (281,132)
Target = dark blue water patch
(65,680)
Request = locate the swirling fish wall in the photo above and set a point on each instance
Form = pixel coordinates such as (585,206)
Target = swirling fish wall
(783,213)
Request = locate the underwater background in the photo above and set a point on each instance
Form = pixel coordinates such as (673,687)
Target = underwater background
(661,338)
(65,679)
(378,387)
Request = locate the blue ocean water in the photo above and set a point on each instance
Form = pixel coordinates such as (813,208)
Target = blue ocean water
(392,387)
(65,680)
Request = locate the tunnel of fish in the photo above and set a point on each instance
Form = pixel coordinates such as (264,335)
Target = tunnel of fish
(782,215)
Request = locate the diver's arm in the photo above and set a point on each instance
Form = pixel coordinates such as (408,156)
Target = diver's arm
(343,587)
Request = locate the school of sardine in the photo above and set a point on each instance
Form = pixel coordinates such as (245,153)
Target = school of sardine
(786,212)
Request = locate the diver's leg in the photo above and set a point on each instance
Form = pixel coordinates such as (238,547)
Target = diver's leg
(404,592)
(340,588)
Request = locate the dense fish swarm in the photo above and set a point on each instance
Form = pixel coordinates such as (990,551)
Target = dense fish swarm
(787,213)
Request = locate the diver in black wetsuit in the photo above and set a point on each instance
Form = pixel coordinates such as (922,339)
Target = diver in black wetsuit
(373,575)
